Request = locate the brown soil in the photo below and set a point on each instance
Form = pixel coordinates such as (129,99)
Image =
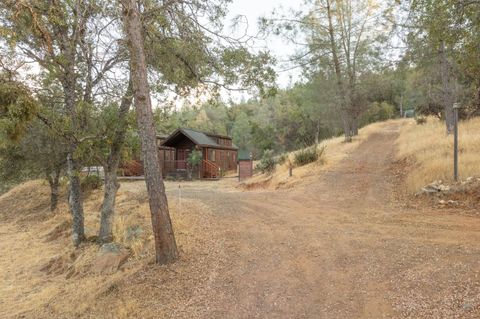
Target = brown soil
(338,245)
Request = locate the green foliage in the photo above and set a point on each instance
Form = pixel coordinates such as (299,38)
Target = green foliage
(378,112)
(262,137)
(267,163)
(241,131)
(17,108)
(90,182)
(194,158)
(189,53)
(443,44)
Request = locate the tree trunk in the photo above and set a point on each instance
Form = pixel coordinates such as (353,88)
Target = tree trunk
(108,206)
(75,201)
(165,245)
(401,105)
(69,85)
(345,113)
(317,133)
(110,169)
(53,179)
(447,91)
(347,127)
(355,126)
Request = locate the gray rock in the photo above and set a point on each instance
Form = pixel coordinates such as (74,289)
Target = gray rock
(467,306)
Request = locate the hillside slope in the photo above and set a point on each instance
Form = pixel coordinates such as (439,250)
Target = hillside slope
(335,151)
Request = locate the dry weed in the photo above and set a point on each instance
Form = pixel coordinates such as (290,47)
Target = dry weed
(431,151)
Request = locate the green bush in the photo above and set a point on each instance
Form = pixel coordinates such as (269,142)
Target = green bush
(308,155)
(378,112)
(267,163)
(90,182)
(194,158)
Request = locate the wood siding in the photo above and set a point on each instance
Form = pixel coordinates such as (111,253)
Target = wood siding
(245,169)
(225,159)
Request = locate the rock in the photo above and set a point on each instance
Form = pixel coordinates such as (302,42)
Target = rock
(429,190)
(467,306)
(443,188)
(435,187)
(109,258)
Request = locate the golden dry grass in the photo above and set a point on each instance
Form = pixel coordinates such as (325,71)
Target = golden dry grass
(430,151)
(43,276)
(335,150)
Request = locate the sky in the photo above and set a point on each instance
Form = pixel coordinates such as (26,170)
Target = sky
(253,10)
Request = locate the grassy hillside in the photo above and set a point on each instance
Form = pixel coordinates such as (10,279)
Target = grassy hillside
(43,276)
(430,152)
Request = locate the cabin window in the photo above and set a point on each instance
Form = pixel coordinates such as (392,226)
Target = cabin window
(211,155)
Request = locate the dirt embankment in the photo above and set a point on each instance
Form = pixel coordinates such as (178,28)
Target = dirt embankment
(43,276)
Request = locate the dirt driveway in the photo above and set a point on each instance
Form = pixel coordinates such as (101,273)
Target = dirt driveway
(340,246)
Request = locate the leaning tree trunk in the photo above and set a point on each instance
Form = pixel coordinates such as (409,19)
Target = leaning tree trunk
(108,206)
(165,245)
(110,169)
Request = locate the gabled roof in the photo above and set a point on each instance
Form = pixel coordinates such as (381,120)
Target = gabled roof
(197,137)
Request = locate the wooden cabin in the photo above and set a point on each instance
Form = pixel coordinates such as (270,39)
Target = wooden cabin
(219,154)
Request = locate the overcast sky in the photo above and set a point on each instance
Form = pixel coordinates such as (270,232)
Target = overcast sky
(253,10)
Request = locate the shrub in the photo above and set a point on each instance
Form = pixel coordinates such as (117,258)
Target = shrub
(306,156)
(90,182)
(421,120)
(194,159)
(132,168)
(267,163)
(377,112)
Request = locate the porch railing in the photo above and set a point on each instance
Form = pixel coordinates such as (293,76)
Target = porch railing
(170,166)
(210,169)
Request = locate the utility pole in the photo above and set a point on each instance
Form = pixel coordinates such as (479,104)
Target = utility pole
(456,106)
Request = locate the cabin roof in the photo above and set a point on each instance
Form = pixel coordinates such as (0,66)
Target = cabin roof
(199,138)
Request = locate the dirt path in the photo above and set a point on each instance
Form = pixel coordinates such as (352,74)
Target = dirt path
(339,247)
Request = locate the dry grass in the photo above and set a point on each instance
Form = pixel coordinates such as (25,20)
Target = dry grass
(43,276)
(335,151)
(430,151)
